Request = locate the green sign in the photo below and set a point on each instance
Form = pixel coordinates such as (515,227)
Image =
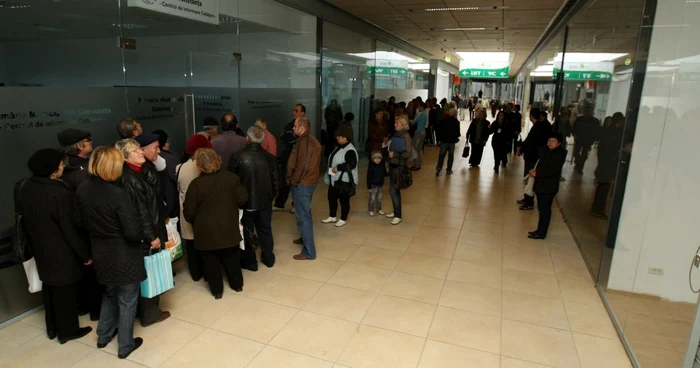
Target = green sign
(584,75)
(501,73)
(386,70)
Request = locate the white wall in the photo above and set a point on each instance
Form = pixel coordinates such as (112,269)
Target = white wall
(659,220)
(619,94)
(442,85)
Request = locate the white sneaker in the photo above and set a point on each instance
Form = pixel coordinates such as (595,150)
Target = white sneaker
(391,215)
(292,210)
(396,221)
(371,213)
(330,220)
(381,212)
(340,223)
(276,209)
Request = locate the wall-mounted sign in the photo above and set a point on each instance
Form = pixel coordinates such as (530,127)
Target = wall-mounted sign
(448,59)
(484,70)
(602,71)
(397,68)
(200,10)
(628,61)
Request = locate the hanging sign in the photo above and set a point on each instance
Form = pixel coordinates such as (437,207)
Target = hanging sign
(487,70)
(200,10)
(601,71)
(397,68)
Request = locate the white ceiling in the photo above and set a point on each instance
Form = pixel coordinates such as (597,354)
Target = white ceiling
(614,24)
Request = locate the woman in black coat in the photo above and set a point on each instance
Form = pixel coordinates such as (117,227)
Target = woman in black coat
(60,252)
(104,209)
(145,198)
(547,174)
(500,141)
(478,135)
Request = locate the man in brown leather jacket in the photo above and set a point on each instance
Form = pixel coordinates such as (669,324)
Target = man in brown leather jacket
(302,175)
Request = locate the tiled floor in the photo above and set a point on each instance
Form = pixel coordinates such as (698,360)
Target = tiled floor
(457,284)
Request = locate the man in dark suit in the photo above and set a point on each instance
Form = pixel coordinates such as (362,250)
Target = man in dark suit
(536,139)
(547,174)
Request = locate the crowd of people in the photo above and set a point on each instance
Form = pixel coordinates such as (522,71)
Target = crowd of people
(92,215)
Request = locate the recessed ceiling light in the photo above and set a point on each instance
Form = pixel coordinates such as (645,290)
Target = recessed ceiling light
(12,5)
(468,29)
(468,8)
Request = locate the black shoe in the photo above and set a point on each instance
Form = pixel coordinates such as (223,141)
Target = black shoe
(218,296)
(437,172)
(251,268)
(81,333)
(51,334)
(299,241)
(527,207)
(196,279)
(269,264)
(536,236)
(102,346)
(94,317)
(137,344)
(532,232)
(495,169)
(239,290)
(449,172)
(520,202)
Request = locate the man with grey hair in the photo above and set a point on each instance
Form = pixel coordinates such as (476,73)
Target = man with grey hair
(448,135)
(129,128)
(258,172)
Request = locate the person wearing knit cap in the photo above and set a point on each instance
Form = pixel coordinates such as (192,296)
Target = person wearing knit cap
(375,182)
(77,145)
(60,252)
(340,175)
(186,173)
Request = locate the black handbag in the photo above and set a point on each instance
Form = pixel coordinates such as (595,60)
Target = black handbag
(405,177)
(345,188)
(21,249)
(465,152)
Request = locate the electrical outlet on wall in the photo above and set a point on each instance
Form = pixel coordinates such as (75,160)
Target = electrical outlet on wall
(656,271)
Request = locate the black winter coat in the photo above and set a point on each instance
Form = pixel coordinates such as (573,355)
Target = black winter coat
(548,170)
(75,172)
(257,170)
(608,154)
(471,132)
(376,174)
(116,234)
(59,249)
(144,192)
(168,179)
(586,130)
(502,136)
(288,139)
(536,139)
(448,132)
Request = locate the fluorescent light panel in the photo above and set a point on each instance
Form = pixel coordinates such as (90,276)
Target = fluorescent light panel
(485,56)
(385,55)
(468,29)
(468,8)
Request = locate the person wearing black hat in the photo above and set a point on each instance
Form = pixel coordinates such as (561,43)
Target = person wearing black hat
(547,174)
(341,174)
(77,145)
(142,184)
(61,253)
(169,175)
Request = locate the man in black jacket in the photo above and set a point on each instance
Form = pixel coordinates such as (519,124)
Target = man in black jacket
(536,139)
(284,150)
(259,175)
(448,135)
(547,174)
(77,145)
(586,130)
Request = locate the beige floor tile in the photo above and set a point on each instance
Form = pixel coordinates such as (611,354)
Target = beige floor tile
(272,357)
(478,254)
(481,239)
(400,315)
(42,352)
(599,352)
(449,211)
(471,298)
(339,251)
(199,306)
(105,360)
(418,264)
(320,269)
(440,355)
(215,349)
(531,283)
(515,363)
(590,319)
(467,329)
(376,257)
(432,247)
(652,357)
(544,345)
(255,320)
(446,222)
(341,302)
(388,241)
(529,262)
(438,233)
(17,334)
(373,347)
(476,274)
(414,287)
(315,335)
(172,298)
(477,226)
(534,309)
(36,319)
(579,291)
(287,290)
(361,277)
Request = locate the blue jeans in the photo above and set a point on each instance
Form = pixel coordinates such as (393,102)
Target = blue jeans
(395,194)
(302,195)
(118,305)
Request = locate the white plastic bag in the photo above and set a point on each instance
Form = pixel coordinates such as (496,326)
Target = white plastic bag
(240,228)
(174,242)
(32,273)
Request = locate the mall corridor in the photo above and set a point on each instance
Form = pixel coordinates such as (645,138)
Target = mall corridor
(456,285)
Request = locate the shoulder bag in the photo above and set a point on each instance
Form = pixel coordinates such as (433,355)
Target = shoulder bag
(21,249)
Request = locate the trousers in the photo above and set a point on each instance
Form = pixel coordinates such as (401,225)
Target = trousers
(544,204)
(90,294)
(61,311)
(529,165)
(230,259)
(446,148)
(418,141)
(258,222)
(118,310)
(395,194)
(302,196)
(375,199)
(334,196)
(581,151)
(283,193)
(600,200)
(476,154)
(194,260)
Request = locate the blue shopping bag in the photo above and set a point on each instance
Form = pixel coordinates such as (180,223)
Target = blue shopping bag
(159,274)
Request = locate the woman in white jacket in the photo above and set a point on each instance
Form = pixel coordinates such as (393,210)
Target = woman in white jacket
(341,175)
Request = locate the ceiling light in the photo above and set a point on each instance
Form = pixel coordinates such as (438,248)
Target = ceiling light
(468,8)
(485,56)
(384,55)
(461,29)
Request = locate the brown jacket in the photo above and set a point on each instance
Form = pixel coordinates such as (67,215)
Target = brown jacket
(304,162)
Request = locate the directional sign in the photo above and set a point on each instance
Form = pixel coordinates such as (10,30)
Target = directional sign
(584,75)
(386,70)
(501,73)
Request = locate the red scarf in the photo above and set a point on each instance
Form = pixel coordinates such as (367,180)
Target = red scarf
(135,167)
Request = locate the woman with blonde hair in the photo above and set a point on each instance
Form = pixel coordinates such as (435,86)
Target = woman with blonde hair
(116,235)
(211,205)
(400,150)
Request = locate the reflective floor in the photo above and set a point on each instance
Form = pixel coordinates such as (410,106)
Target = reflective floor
(457,284)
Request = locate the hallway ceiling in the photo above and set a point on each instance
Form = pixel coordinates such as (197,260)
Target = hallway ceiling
(514,26)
